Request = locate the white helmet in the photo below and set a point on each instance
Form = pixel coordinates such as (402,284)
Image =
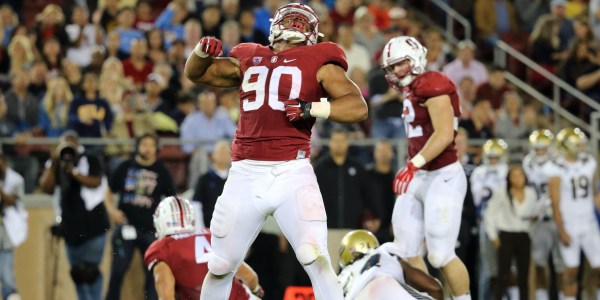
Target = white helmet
(399,49)
(295,23)
(174,215)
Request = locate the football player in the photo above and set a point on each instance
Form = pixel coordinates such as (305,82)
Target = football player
(485,178)
(573,190)
(373,272)
(178,259)
(282,90)
(429,207)
(544,235)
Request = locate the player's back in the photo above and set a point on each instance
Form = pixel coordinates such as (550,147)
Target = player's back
(536,174)
(576,187)
(484,180)
(268,78)
(419,127)
(187,257)
(382,261)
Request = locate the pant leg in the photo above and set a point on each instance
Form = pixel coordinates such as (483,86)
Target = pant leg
(143,242)
(484,268)
(504,261)
(523,253)
(74,254)
(121,259)
(7,273)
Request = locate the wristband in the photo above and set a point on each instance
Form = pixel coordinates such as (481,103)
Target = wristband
(418,161)
(198,51)
(320,109)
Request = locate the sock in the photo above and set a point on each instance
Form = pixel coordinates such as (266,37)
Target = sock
(466,296)
(324,282)
(215,288)
(513,293)
(541,294)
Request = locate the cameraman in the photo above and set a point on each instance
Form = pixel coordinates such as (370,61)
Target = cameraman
(13,225)
(76,179)
(141,182)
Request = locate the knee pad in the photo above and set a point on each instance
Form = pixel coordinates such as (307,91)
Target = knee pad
(84,273)
(439,259)
(307,253)
(219,266)
(222,218)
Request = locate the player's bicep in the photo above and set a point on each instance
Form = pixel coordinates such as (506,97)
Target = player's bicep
(222,72)
(442,114)
(335,82)
(164,281)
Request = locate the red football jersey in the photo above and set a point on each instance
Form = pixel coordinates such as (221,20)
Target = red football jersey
(187,257)
(418,121)
(268,78)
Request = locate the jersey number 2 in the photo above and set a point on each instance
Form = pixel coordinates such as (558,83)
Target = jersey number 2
(260,86)
(412,131)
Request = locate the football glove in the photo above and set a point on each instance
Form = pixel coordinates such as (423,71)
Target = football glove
(209,46)
(297,109)
(404,177)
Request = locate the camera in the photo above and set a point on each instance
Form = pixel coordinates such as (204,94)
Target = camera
(67,152)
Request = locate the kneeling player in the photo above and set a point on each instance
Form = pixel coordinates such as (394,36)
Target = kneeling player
(178,259)
(374,272)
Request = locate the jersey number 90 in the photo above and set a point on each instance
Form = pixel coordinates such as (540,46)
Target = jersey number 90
(260,86)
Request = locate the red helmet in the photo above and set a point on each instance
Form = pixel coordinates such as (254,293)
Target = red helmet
(295,23)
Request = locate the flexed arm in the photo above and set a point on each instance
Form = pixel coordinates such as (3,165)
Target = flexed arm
(203,66)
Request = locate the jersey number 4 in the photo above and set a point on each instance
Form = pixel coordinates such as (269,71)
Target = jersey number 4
(202,248)
(260,86)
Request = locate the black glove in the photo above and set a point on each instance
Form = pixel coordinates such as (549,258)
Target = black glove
(297,109)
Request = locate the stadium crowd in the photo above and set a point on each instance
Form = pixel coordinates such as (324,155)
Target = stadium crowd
(114,70)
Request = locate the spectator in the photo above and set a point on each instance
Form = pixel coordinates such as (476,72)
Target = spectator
(229,100)
(192,32)
(544,48)
(507,225)
(357,56)
(230,9)
(210,185)
(185,106)
(72,74)
(576,63)
(113,83)
(382,175)
(249,34)
(494,19)
(345,186)
(76,177)
(38,74)
(438,51)
(465,64)
(327,29)
(480,125)
(141,182)
(52,56)
(13,225)
(171,22)
(366,33)
(398,17)
(90,115)
(22,109)
(83,36)
(214,121)
(151,98)
(6,127)
(263,14)
(381,10)
(495,88)
(172,86)
(107,16)
(144,21)
(566,32)
(342,13)
(9,21)
(54,116)
(230,35)
(98,57)
(468,94)
(176,56)
(511,124)
(50,23)
(211,19)
(156,46)
(581,69)
(20,52)
(136,66)
(359,77)
(127,33)
(529,12)
(113,46)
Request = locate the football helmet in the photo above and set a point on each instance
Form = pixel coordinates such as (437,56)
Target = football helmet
(398,50)
(295,23)
(571,141)
(541,139)
(174,215)
(494,148)
(355,244)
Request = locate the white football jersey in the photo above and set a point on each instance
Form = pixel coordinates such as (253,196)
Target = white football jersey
(537,176)
(382,261)
(484,180)
(576,186)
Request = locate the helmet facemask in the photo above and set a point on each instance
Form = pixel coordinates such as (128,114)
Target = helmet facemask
(403,50)
(295,23)
(402,77)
